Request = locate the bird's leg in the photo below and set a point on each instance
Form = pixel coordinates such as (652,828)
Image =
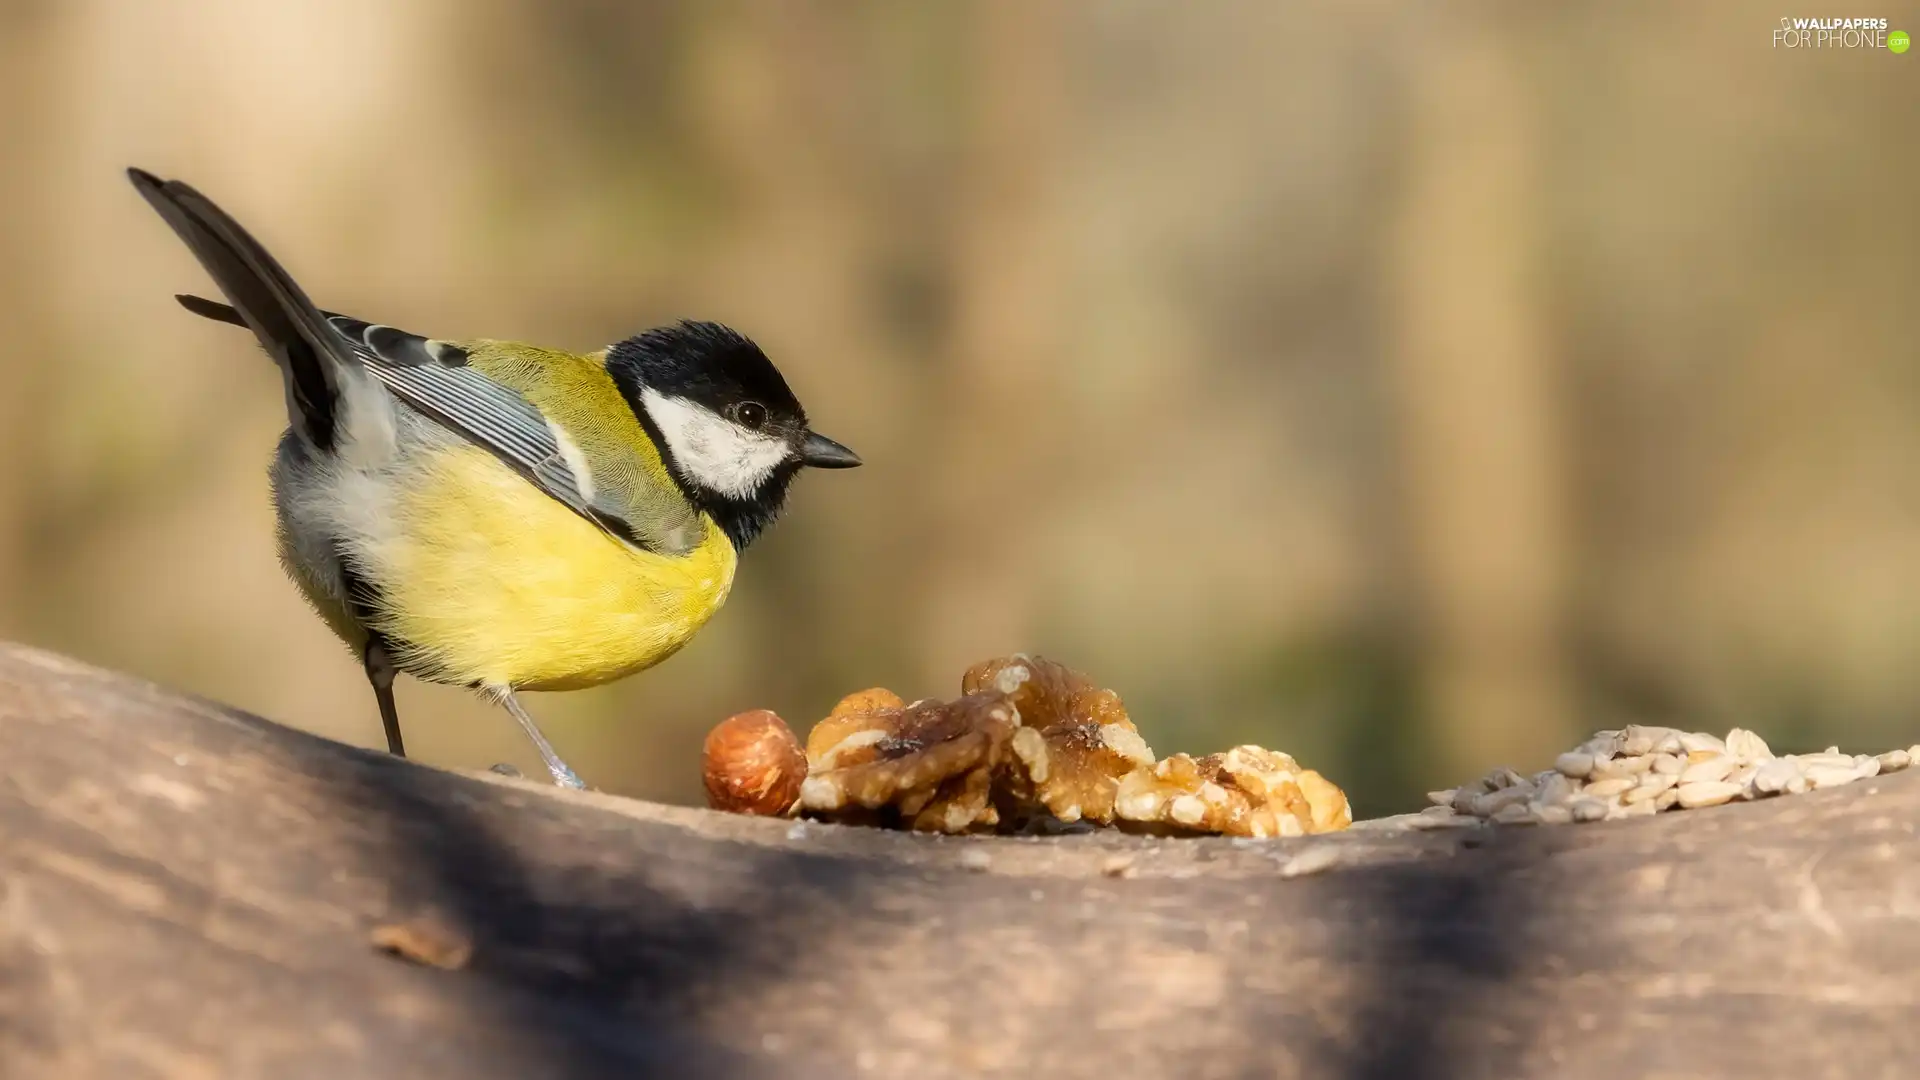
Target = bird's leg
(380,672)
(562,775)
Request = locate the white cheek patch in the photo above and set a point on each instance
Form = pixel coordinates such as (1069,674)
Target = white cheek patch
(712,451)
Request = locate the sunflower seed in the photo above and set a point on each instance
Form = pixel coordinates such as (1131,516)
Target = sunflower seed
(1613,769)
(1606,789)
(1707,793)
(1588,809)
(1487,806)
(1449,821)
(1575,763)
(1651,785)
(1829,776)
(1603,744)
(1742,743)
(1774,777)
(1694,742)
(1713,768)
(1555,790)
(1463,797)
(1514,814)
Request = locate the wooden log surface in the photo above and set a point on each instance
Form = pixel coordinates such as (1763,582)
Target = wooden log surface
(188,891)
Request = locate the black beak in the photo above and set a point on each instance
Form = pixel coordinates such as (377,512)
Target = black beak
(821,452)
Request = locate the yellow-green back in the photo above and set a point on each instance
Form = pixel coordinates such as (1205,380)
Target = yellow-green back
(577,395)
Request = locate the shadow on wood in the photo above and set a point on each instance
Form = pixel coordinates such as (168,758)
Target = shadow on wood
(192,892)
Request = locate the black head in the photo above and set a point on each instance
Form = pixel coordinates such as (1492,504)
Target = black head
(732,433)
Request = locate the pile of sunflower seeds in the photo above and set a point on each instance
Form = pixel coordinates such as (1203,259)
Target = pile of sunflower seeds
(1639,771)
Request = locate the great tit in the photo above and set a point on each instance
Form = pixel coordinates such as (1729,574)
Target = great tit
(502,516)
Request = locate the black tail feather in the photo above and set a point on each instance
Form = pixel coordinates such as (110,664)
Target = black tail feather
(210,309)
(265,299)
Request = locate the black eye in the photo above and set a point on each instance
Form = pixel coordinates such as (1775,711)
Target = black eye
(750,414)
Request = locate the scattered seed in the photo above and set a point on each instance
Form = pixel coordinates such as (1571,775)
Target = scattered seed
(1708,793)
(1645,738)
(1554,790)
(1488,805)
(1464,795)
(1575,763)
(1696,742)
(1514,814)
(1650,787)
(1451,821)
(1776,776)
(1604,744)
(1553,814)
(1588,810)
(1830,776)
(1644,770)
(1717,767)
(1606,789)
(1742,743)
(1612,769)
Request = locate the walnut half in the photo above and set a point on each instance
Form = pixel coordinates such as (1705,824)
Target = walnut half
(1247,791)
(1075,744)
(930,763)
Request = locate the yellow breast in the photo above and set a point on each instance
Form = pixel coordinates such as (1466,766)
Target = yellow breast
(486,579)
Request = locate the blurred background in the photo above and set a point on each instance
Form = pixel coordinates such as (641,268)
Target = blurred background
(1413,388)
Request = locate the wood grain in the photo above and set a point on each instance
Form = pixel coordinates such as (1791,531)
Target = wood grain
(189,891)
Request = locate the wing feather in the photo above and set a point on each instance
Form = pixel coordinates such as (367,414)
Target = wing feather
(433,378)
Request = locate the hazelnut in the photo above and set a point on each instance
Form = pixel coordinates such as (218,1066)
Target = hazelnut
(753,764)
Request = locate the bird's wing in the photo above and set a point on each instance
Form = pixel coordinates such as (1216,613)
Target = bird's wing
(434,379)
